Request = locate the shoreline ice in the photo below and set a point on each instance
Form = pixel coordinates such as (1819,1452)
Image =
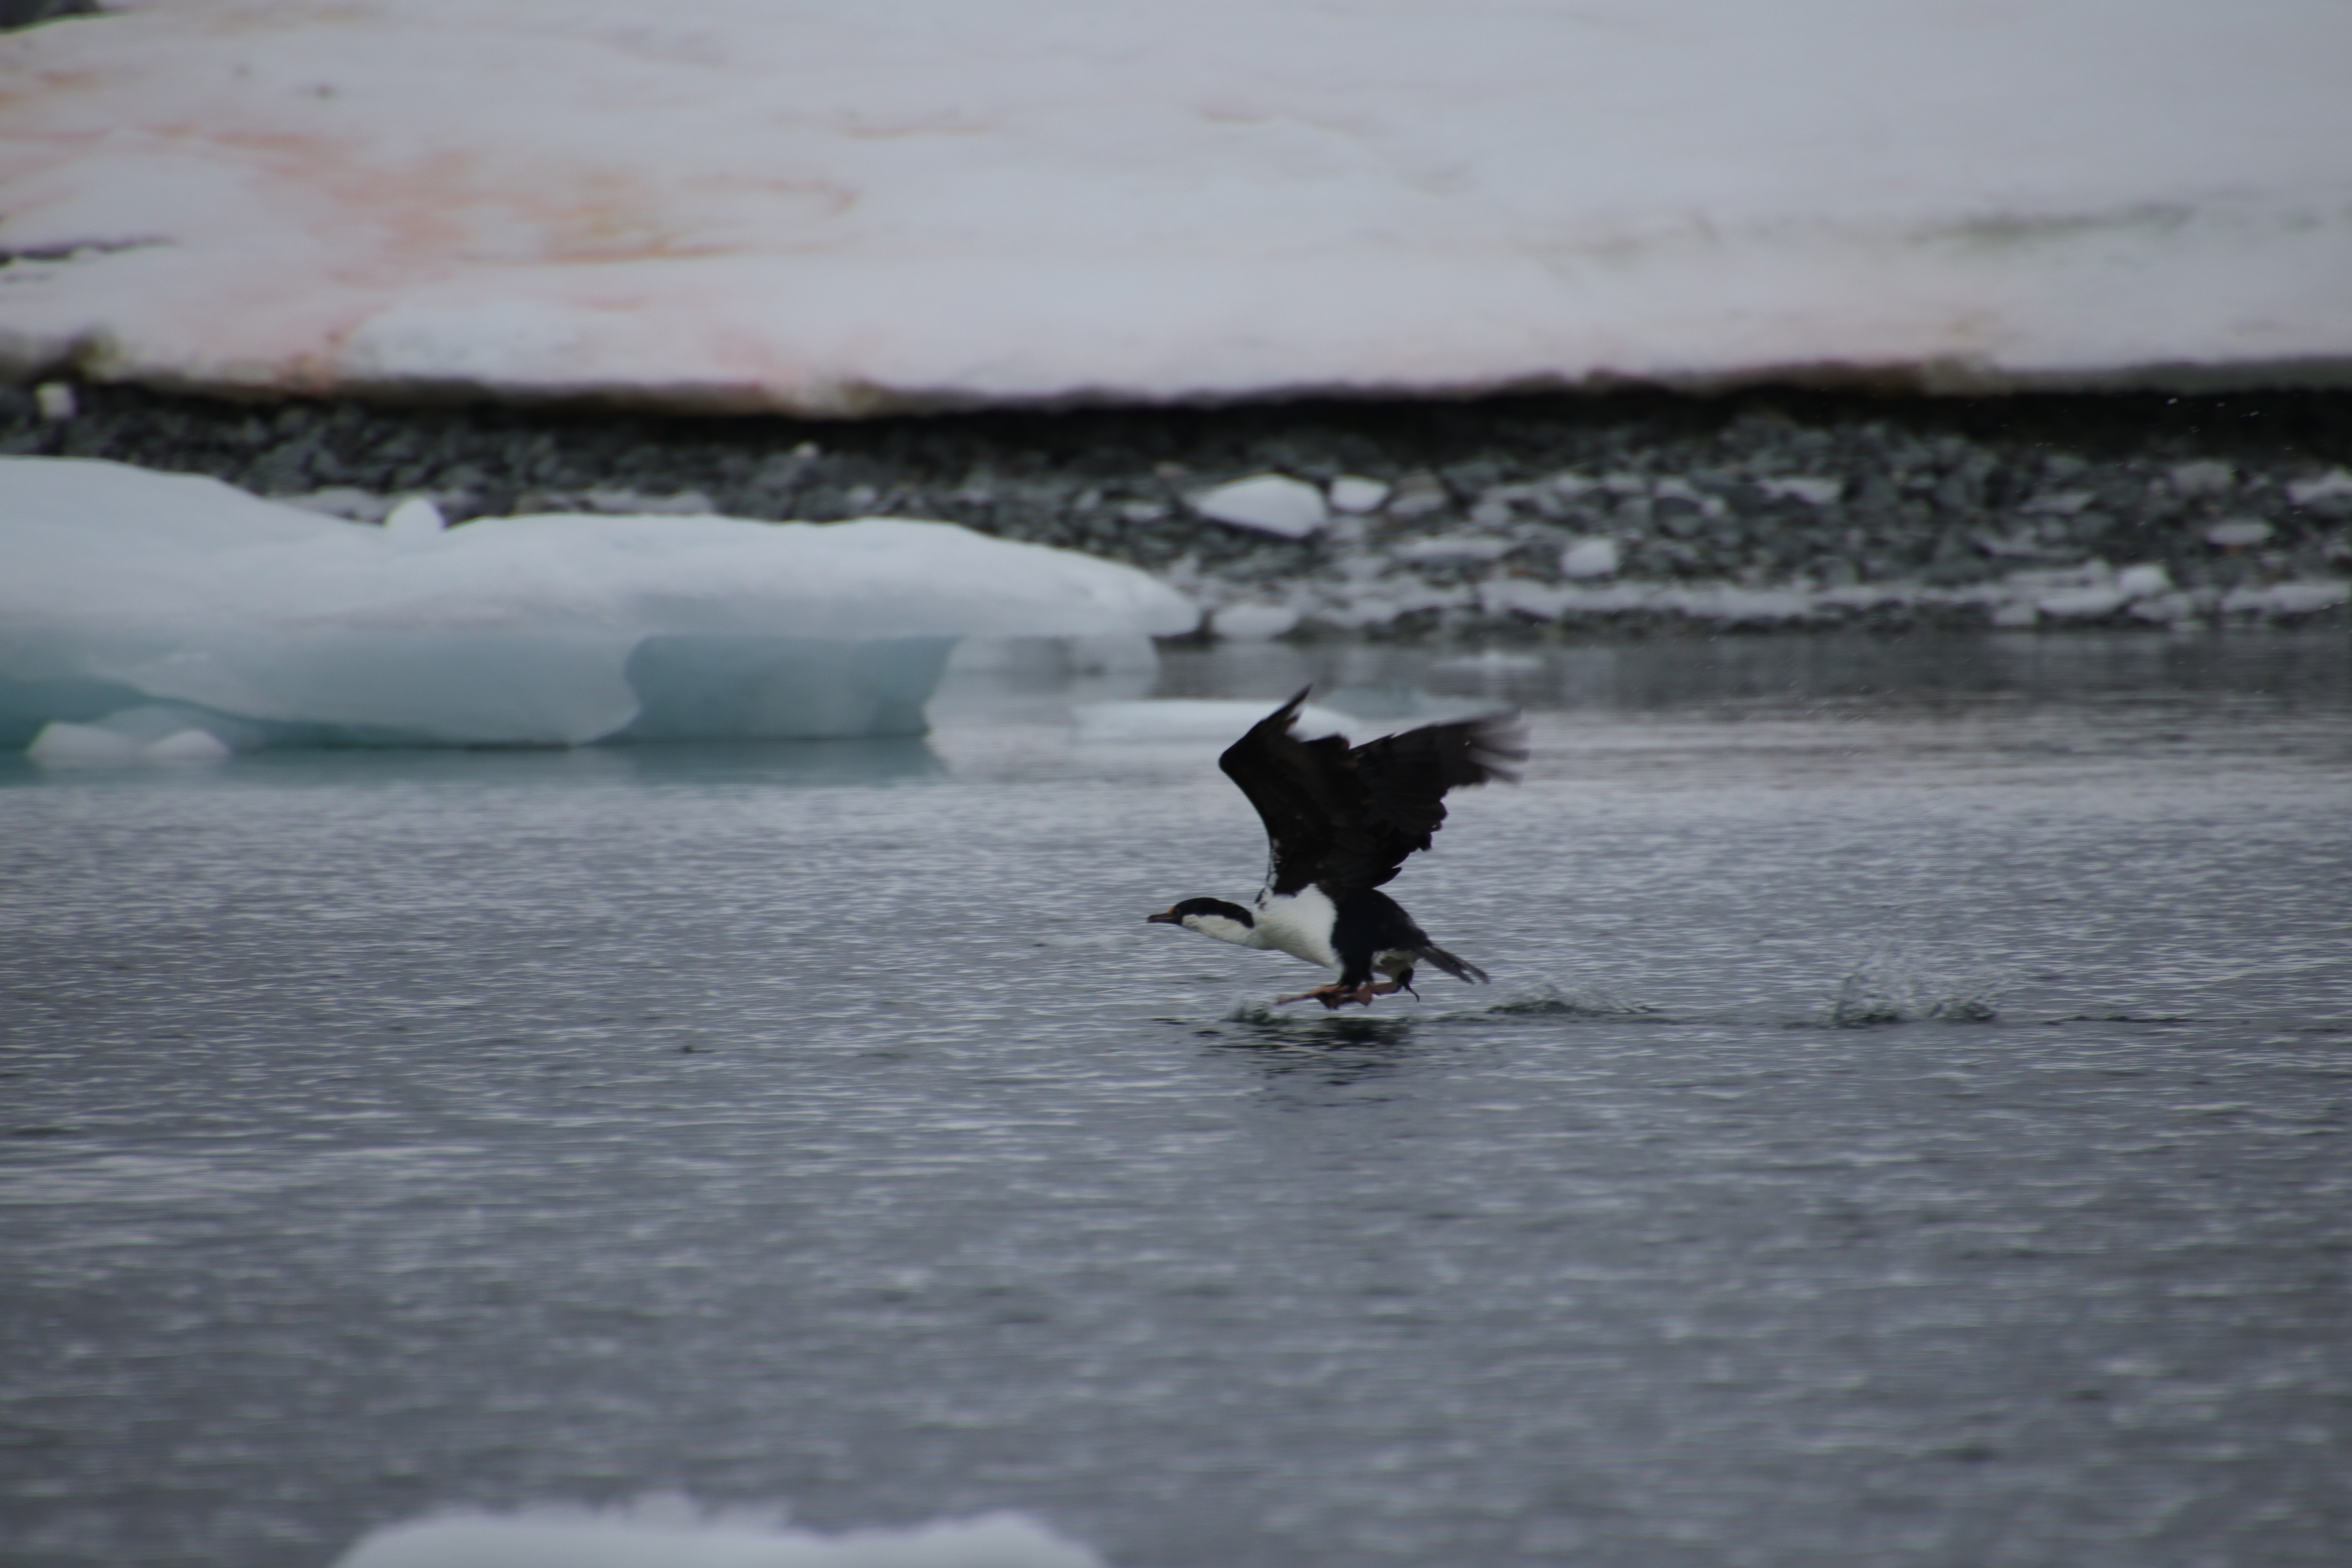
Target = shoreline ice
(131,599)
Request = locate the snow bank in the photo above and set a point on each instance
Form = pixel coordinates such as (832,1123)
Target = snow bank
(831,208)
(665,1532)
(257,623)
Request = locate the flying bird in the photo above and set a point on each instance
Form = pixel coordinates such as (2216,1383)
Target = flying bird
(1340,822)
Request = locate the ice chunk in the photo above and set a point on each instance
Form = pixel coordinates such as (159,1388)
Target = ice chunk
(2142,581)
(672,1533)
(415,518)
(2322,486)
(1270,503)
(2238,532)
(60,744)
(83,745)
(1350,493)
(2081,604)
(187,746)
(1417,495)
(149,732)
(2286,600)
(1456,547)
(119,586)
(2206,477)
(1589,558)
(1810,488)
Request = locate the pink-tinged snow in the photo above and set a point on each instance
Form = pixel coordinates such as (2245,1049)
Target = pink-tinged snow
(840,207)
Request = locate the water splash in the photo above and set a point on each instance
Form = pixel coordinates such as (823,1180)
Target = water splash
(1574,1002)
(1895,985)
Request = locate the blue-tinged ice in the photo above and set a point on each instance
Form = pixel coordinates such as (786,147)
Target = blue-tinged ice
(124,591)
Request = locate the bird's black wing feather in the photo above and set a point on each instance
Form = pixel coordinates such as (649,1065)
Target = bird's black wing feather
(1348,818)
(1403,779)
(1302,789)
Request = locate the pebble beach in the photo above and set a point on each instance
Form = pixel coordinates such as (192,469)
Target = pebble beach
(1516,518)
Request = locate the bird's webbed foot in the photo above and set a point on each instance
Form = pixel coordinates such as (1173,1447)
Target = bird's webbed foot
(1336,996)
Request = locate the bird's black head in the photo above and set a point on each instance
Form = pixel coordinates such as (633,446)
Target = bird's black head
(1175,916)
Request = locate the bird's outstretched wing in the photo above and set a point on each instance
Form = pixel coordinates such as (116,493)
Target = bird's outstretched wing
(1303,790)
(1348,818)
(1403,779)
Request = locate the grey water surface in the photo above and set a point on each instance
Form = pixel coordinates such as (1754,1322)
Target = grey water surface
(1907,1126)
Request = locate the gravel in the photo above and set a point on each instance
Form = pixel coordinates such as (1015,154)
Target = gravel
(1513,517)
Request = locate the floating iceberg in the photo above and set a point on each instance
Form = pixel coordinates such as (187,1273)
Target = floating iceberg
(126,594)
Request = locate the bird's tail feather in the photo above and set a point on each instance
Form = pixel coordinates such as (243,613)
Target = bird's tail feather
(1460,969)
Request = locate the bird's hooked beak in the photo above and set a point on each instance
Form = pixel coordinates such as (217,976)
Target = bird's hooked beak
(1164,918)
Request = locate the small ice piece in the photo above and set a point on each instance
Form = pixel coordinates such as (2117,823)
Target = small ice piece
(1683,489)
(2016,613)
(2205,477)
(1270,503)
(1813,490)
(55,401)
(2165,609)
(187,746)
(1349,492)
(2306,597)
(2238,534)
(1417,495)
(2058,503)
(2322,486)
(2142,581)
(1142,510)
(151,732)
(60,744)
(1450,547)
(1589,558)
(1252,623)
(415,518)
(2081,604)
(1572,485)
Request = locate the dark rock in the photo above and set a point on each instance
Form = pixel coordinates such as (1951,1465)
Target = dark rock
(1932,491)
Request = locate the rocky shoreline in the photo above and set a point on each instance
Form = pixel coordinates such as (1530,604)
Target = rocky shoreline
(1521,518)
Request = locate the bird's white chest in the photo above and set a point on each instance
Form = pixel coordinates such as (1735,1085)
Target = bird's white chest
(1299,924)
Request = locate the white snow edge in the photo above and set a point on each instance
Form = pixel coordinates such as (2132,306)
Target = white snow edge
(840,210)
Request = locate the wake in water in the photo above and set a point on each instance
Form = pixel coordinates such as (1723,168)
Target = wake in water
(1574,1002)
(1894,986)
